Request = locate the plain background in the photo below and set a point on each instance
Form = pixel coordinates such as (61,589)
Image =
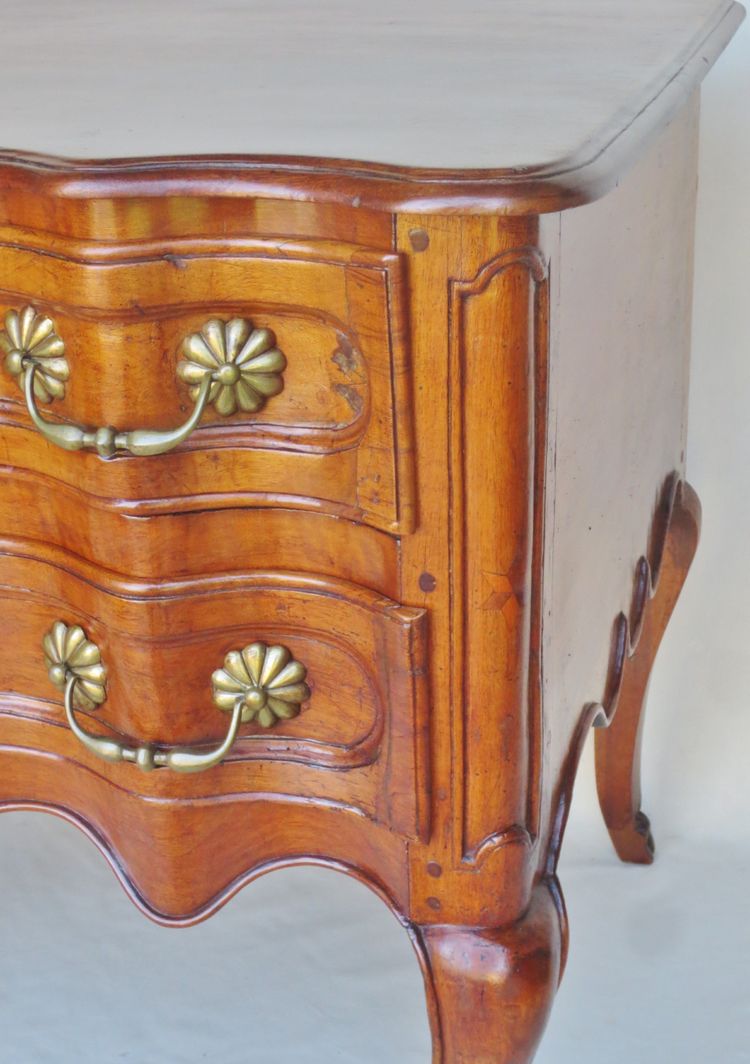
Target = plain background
(307,966)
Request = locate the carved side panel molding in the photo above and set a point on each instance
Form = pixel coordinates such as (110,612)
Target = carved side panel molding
(498,347)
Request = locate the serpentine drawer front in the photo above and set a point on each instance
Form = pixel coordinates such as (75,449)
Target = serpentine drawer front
(328,678)
(278,372)
(342,491)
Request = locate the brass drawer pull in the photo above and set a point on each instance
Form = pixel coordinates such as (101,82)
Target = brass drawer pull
(262,683)
(230,365)
(267,679)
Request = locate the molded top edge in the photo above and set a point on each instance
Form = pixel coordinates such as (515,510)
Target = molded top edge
(626,99)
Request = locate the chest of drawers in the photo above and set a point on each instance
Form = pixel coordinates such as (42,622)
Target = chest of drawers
(338,499)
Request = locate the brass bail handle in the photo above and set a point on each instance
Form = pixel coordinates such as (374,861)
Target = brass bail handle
(228,364)
(147,757)
(260,683)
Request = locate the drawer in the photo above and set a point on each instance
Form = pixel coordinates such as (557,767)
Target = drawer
(352,729)
(160,544)
(313,337)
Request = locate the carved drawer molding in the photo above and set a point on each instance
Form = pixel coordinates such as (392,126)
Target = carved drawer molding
(334,435)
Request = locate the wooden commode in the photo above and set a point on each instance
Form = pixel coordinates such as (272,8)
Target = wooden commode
(342,449)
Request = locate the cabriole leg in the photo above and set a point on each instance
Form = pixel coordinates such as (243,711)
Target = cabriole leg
(491,990)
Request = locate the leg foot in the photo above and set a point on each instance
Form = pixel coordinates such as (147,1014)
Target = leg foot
(618,747)
(490,990)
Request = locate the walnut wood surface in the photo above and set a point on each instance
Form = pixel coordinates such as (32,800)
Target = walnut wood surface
(339,432)
(364,656)
(618,747)
(426,106)
(490,991)
(454,514)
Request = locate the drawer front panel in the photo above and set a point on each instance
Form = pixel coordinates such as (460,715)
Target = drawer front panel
(156,543)
(359,739)
(335,438)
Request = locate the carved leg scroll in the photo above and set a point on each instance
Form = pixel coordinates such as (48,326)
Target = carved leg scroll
(618,746)
(490,990)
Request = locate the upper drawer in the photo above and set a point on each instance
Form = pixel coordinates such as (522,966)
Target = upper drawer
(331,431)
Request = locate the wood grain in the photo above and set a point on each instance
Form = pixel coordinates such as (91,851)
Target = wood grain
(159,539)
(618,747)
(340,431)
(454,513)
(362,730)
(493,403)
(619,355)
(500,107)
(209,849)
(490,990)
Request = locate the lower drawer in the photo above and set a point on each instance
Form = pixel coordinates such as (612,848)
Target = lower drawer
(353,729)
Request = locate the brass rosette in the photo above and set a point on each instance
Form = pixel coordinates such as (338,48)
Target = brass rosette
(268,680)
(27,338)
(244,362)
